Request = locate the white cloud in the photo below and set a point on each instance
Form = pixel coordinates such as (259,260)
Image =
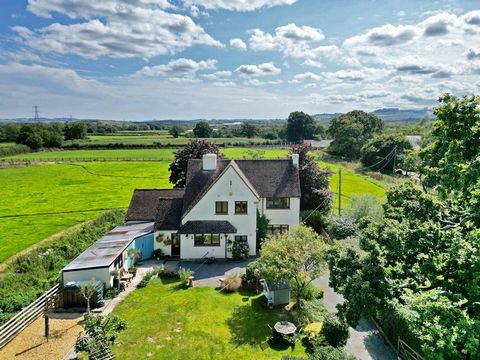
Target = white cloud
(140,28)
(238,43)
(290,39)
(386,35)
(308,76)
(178,68)
(313,63)
(224,74)
(265,69)
(238,5)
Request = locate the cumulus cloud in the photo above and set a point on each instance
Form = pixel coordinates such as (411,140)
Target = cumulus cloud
(140,28)
(473,54)
(224,74)
(308,76)
(386,35)
(178,68)
(238,43)
(238,5)
(290,39)
(265,69)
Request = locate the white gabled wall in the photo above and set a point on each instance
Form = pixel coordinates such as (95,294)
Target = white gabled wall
(290,217)
(229,187)
(100,274)
(167,234)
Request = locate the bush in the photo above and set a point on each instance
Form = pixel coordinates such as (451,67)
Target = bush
(149,276)
(232,282)
(312,336)
(158,254)
(330,353)
(111,293)
(362,206)
(342,227)
(315,219)
(335,330)
(184,275)
(249,275)
(240,250)
(309,311)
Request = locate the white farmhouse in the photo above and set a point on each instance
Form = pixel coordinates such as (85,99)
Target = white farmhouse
(219,206)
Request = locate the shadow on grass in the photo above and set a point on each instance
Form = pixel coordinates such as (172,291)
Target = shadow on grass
(251,324)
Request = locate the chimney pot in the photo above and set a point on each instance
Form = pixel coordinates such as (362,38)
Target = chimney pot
(209,162)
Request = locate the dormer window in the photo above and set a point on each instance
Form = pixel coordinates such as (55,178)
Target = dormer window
(278,203)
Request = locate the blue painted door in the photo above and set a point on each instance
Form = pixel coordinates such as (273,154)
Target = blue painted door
(145,245)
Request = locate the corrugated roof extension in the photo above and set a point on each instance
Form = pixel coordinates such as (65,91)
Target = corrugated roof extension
(104,252)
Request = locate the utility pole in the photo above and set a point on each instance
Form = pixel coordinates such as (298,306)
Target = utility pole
(339,191)
(35,112)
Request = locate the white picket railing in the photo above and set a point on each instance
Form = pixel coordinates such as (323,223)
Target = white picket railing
(26,316)
(405,352)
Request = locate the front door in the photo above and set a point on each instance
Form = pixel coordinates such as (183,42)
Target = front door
(175,245)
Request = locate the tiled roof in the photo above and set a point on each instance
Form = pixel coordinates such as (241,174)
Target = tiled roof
(144,203)
(207,227)
(169,213)
(269,178)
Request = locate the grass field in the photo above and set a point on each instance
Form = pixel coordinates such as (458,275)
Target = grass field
(39,201)
(167,322)
(150,139)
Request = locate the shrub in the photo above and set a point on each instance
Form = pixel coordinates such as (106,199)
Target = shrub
(315,219)
(240,250)
(184,275)
(362,206)
(309,311)
(310,292)
(342,227)
(111,293)
(335,330)
(312,335)
(232,282)
(146,279)
(330,353)
(158,254)
(249,275)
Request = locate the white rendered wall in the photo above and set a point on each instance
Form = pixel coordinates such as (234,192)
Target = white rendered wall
(100,274)
(167,234)
(290,217)
(230,187)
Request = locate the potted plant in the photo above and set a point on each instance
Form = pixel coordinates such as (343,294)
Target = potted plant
(158,254)
(134,254)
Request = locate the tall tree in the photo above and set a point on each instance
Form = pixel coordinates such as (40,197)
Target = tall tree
(175,131)
(75,130)
(195,149)
(300,126)
(351,131)
(314,182)
(202,130)
(249,130)
(385,151)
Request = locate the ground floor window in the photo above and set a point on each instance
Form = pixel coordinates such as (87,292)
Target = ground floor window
(207,239)
(277,229)
(243,238)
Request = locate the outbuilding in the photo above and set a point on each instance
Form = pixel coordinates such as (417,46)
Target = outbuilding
(107,256)
(277,293)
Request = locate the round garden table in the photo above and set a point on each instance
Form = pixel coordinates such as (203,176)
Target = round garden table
(285,328)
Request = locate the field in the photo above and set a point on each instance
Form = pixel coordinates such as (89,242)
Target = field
(39,201)
(168,322)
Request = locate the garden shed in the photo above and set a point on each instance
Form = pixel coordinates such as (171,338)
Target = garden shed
(277,293)
(107,256)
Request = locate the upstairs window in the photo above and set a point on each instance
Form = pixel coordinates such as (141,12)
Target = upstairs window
(240,207)
(221,207)
(207,239)
(277,229)
(241,238)
(278,203)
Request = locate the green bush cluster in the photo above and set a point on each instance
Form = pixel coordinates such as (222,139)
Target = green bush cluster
(308,312)
(149,276)
(184,275)
(14,150)
(342,227)
(335,330)
(31,274)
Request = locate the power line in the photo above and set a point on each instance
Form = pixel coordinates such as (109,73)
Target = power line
(379,162)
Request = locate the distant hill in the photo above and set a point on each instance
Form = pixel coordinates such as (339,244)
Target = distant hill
(387,114)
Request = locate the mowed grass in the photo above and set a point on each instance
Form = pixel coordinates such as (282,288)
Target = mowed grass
(54,197)
(39,201)
(165,321)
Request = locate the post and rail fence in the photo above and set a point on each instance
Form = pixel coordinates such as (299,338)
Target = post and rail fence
(18,323)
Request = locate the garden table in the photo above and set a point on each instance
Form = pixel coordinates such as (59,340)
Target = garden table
(285,328)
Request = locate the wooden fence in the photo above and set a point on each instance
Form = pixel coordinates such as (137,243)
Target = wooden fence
(29,314)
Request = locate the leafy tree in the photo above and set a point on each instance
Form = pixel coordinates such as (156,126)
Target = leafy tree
(300,126)
(34,141)
(363,206)
(262,229)
(202,130)
(335,330)
(75,130)
(314,182)
(175,131)
(383,152)
(195,149)
(51,139)
(301,266)
(249,130)
(87,290)
(351,131)
(11,132)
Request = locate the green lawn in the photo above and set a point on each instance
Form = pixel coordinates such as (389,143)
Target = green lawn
(70,191)
(167,322)
(53,197)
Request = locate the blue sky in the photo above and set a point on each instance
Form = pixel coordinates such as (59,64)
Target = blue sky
(188,59)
